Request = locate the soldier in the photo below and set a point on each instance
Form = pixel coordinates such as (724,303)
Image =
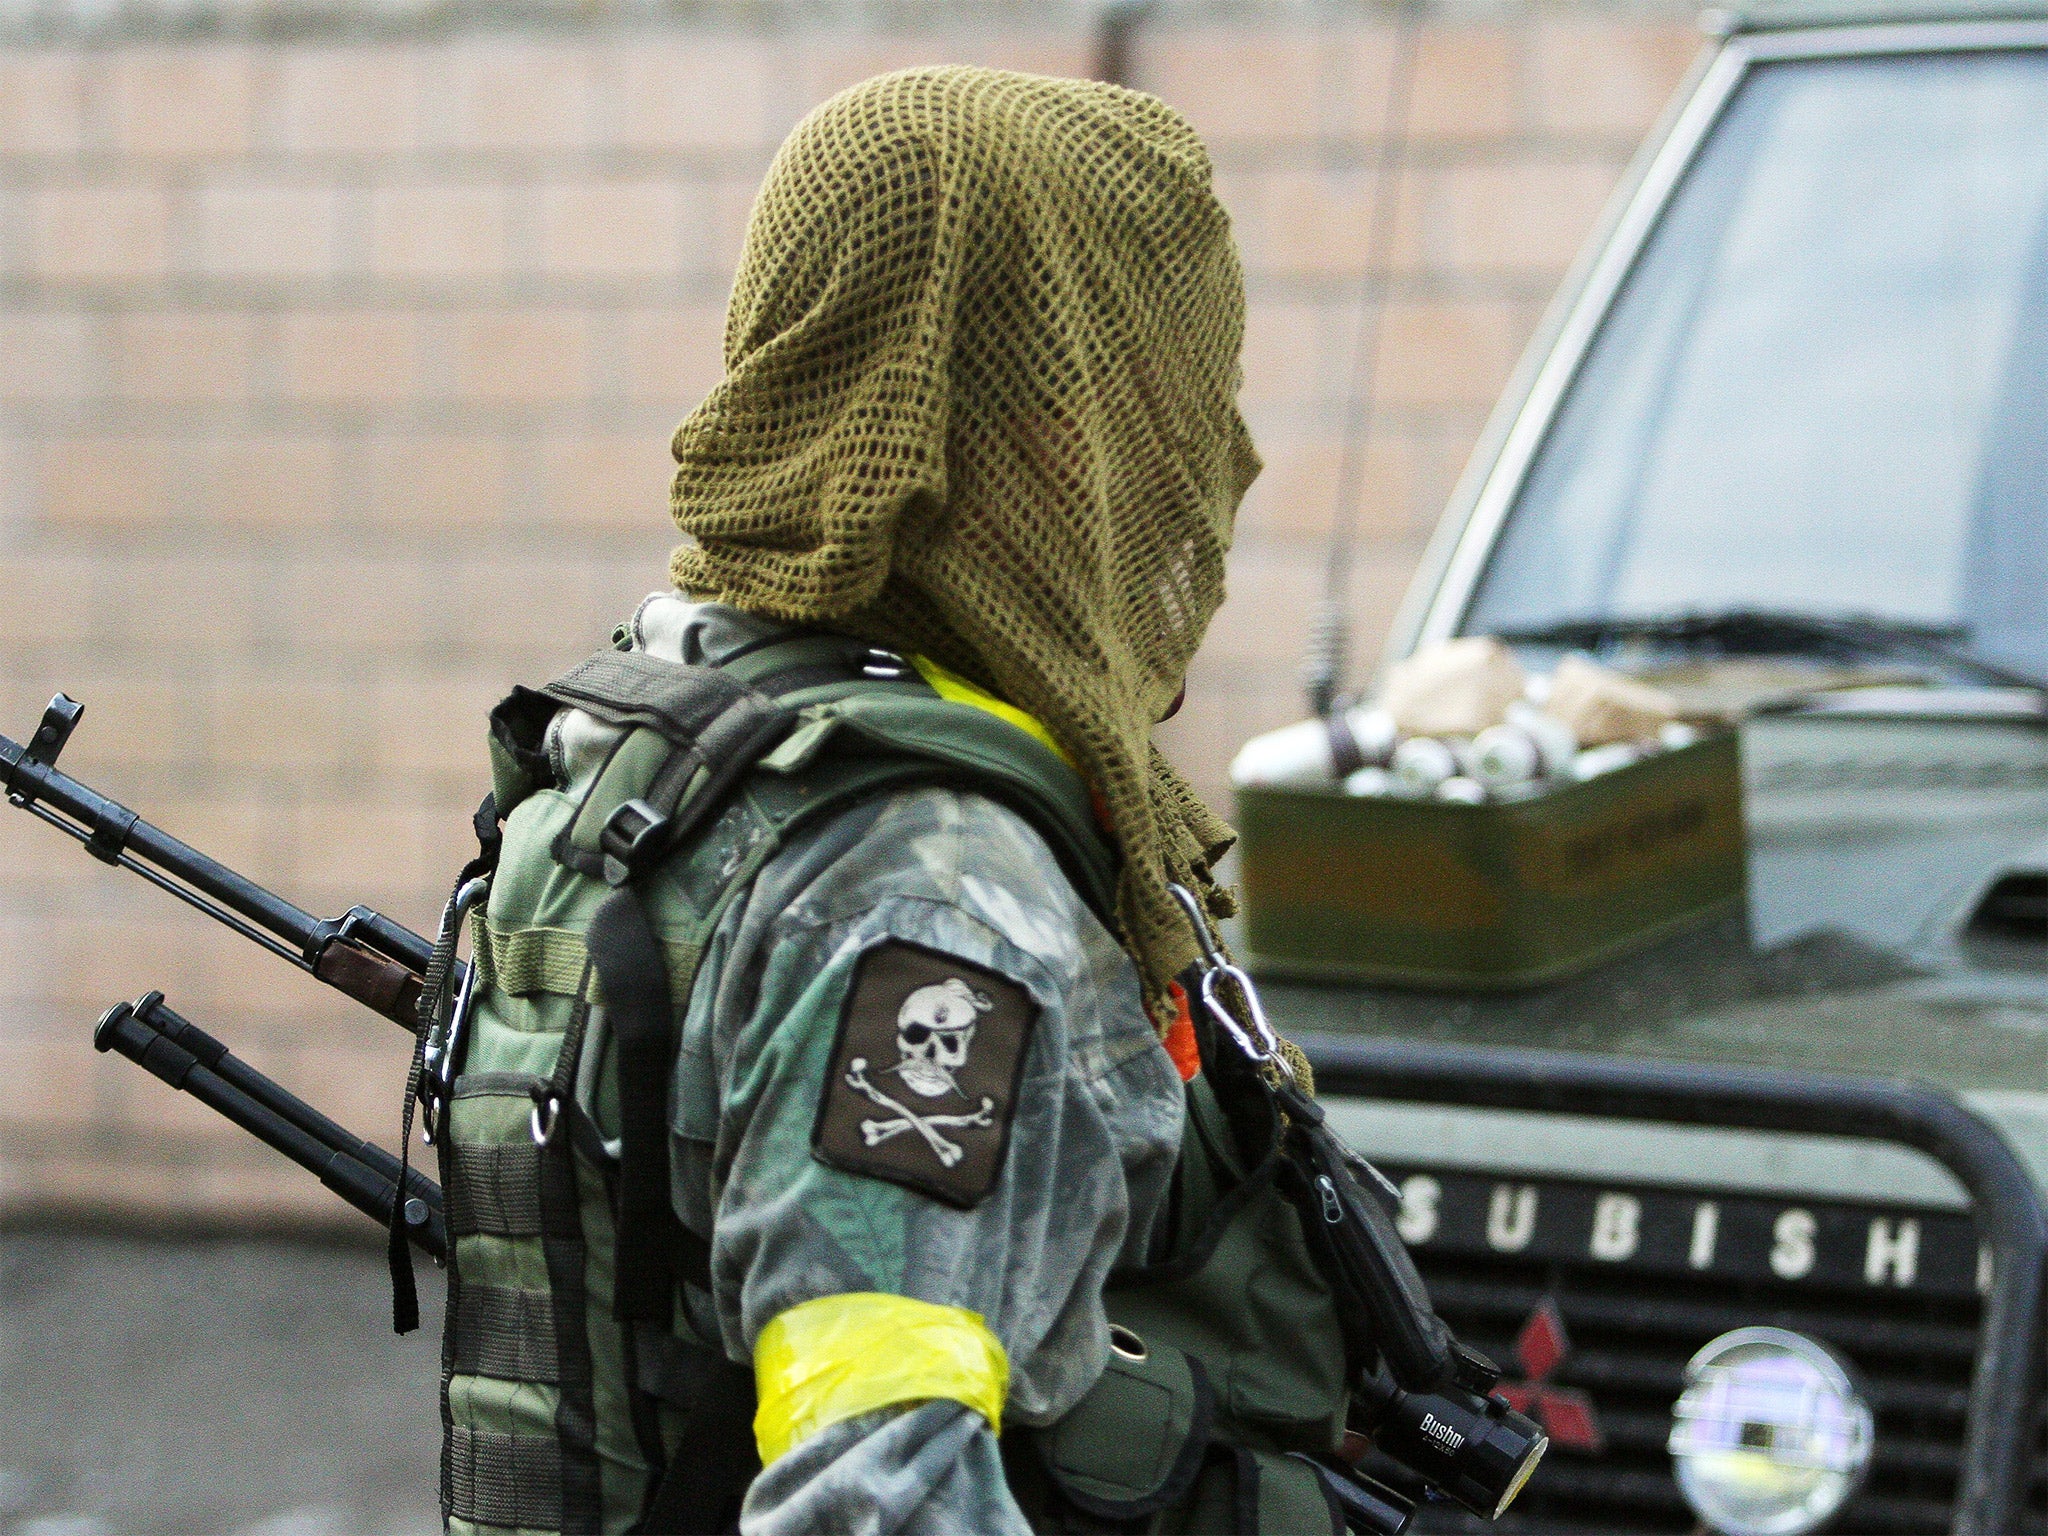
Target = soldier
(825,1068)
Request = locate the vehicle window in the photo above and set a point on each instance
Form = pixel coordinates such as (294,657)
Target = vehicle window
(1825,385)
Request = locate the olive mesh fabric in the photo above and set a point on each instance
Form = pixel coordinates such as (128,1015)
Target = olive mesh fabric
(979,405)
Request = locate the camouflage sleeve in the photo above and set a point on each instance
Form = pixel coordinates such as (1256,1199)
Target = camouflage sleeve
(915,1063)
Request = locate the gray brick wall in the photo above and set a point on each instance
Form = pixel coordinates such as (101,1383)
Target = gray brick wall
(339,371)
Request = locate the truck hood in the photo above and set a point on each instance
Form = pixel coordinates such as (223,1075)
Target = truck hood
(1824,1003)
(1983,1040)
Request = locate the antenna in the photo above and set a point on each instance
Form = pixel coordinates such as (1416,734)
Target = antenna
(1116,30)
(1329,646)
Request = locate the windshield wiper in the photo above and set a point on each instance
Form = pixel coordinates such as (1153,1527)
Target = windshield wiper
(1786,632)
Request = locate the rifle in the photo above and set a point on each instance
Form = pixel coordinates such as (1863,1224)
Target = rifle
(363,954)
(150,1034)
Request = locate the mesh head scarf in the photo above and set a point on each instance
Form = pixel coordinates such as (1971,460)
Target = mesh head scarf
(979,405)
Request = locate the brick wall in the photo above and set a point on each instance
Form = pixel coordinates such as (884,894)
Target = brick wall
(335,384)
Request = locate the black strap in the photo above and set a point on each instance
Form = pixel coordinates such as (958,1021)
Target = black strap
(696,780)
(693,1259)
(701,1488)
(405,1294)
(635,688)
(720,725)
(1246,1491)
(490,836)
(633,971)
(506,1332)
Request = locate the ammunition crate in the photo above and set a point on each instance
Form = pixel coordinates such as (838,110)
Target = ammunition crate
(1427,893)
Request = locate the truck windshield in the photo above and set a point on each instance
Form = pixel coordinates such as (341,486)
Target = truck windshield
(1824,385)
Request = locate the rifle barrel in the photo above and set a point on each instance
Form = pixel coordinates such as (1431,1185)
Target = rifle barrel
(378,962)
(110,830)
(152,1011)
(364,1175)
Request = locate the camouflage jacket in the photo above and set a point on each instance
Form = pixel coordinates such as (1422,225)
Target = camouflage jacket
(1094,1130)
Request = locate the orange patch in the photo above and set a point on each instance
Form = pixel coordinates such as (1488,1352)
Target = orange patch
(1180,1036)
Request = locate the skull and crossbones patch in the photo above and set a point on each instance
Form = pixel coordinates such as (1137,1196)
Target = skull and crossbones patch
(924,1072)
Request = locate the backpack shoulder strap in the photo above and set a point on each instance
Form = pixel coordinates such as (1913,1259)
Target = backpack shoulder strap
(716,728)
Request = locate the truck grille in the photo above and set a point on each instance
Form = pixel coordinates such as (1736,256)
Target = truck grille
(1629,1344)
(1599,1294)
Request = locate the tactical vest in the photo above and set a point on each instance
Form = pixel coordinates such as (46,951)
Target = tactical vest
(576,1396)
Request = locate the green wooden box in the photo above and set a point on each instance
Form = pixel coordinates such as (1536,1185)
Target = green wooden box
(1431,894)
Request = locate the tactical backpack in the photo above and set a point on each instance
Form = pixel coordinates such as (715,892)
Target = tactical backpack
(576,1396)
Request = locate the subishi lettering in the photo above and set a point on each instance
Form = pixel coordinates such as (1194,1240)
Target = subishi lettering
(1691,1232)
(1511,1218)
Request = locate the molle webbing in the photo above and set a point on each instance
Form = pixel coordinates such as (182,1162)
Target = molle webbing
(494,1190)
(514,1481)
(506,1333)
(519,1410)
(525,961)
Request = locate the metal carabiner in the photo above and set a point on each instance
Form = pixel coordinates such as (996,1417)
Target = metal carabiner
(544,1131)
(1267,1046)
(472,892)
(1217,966)
(442,1064)
(441,1053)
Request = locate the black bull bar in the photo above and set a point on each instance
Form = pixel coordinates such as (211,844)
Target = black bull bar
(1992,1484)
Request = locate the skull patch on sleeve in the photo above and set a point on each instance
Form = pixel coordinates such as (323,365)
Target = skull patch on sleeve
(924,1073)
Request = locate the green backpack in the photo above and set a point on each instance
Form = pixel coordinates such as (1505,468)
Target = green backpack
(575,1396)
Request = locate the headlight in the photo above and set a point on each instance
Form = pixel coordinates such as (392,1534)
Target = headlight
(1770,1436)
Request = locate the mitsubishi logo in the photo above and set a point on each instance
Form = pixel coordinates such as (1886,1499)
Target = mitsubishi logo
(1566,1414)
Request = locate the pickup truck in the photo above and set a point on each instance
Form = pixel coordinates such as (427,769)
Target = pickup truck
(1785,430)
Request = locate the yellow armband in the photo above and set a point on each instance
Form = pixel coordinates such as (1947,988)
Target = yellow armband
(840,1356)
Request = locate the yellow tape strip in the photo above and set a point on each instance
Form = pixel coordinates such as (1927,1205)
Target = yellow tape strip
(840,1356)
(956,689)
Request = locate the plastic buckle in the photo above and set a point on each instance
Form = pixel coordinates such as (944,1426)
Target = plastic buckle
(629,833)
